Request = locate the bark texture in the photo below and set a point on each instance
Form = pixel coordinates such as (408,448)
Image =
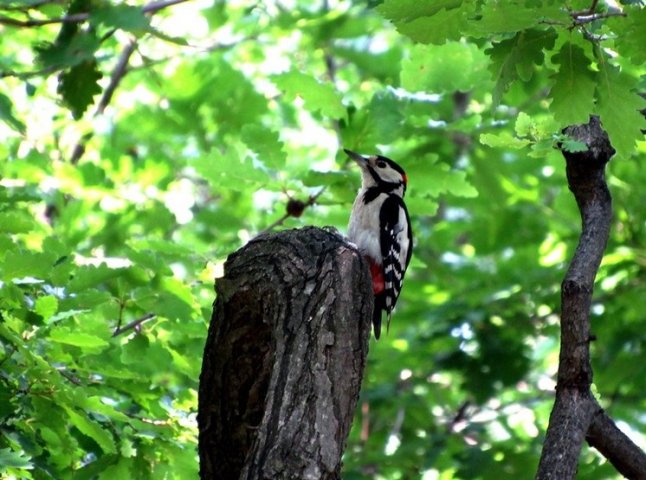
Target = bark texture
(284,358)
(576,415)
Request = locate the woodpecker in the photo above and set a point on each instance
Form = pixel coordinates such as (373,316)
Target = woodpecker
(380,228)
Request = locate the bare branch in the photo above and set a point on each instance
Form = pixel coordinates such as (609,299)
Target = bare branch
(153,7)
(311,201)
(583,19)
(574,406)
(118,73)
(133,325)
(626,457)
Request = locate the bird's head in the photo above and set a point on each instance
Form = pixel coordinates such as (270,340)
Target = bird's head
(381,172)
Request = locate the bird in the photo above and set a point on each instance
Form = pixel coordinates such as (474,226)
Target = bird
(380,228)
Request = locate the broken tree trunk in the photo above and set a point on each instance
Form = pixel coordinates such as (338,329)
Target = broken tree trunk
(284,358)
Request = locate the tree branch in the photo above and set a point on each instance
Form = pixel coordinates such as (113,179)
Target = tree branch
(576,415)
(133,325)
(80,17)
(574,407)
(118,73)
(581,19)
(30,6)
(612,443)
(294,209)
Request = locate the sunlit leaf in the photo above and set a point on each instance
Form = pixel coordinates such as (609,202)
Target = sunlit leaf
(444,68)
(316,96)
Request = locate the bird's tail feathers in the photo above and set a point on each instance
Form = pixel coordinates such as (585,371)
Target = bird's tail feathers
(376,315)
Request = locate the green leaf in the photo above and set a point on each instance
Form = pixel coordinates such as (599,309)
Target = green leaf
(618,107)
(265,143)
(572,92)
(517,58)
(78,48)
(513,16)
(630,42)
(523,125)
(16,222)
(503,140)
(66,314)
(27,264)
(6,114)
(316,96)
(78,339)
(379,122)
(406,10)
(444,68)
(11,459)
(230,169)
(124,17)
(46,306)
(429,177)
(78,86)
(89,276)
(574,146)
(93,430)
(446,24)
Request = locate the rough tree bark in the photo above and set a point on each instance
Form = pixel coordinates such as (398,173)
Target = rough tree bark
(576,415)
(284,358)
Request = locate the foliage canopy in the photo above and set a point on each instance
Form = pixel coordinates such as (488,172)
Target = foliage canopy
(124,189)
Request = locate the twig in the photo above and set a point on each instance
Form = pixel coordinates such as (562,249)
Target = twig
(133,324)
(74,18)
(153,7)
(583,19)
(593,6)
(288,214)
(460,415)
(33,73)
(80,17)
(30,6)
(118,73)
(70,377)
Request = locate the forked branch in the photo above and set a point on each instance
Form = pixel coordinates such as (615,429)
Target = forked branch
(576,415)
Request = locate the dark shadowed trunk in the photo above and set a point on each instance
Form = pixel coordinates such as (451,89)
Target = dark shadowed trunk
(284,358)
(576,415)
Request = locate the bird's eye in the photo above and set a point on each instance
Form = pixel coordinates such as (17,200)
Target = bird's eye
(381,164)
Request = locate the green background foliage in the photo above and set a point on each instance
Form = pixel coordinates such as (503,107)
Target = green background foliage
(228,109)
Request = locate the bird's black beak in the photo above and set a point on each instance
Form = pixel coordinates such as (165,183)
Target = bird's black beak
(362,161)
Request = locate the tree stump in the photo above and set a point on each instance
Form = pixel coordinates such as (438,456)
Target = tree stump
(284,358)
